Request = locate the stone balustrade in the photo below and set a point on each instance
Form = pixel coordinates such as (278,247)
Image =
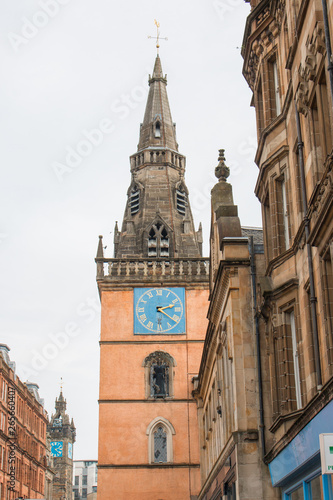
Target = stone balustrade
(147,269)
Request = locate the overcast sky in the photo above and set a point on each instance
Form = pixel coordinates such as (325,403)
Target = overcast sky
(70,67)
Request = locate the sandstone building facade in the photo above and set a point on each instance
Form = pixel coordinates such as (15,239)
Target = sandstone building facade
(154,303)
(23,422)
(228,387)
(286,50)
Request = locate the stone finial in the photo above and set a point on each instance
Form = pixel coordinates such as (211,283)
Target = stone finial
(222,172)
(100,252)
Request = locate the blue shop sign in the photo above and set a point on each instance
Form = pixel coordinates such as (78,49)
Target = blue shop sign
(303,449)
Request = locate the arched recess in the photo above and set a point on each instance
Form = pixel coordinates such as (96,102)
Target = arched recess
(159,375)
(160,446)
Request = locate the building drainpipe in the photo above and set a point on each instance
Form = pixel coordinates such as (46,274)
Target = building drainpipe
(256,318)
(328,46)
(313,299)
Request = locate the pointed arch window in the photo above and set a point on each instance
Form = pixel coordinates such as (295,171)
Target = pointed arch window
(181,201)
(134,200)
(159,375)
(158,241)
(160,449)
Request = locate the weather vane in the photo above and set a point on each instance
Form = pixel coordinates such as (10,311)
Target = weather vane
(157,38)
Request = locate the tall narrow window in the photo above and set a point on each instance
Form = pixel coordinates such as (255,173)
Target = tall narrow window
(134,201)
(164,245)
(273,88)
(152,243)
(280,217)
(181,202)
(157,129)
(276,89)
(160,445)
(285,214)
(290,319)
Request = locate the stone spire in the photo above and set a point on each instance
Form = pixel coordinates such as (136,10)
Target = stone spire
(158,221)
(157,128)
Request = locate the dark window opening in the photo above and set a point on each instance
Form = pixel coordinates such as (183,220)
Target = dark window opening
(159,380)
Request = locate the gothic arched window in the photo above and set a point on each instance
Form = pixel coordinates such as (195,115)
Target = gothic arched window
(159,375)
(134,201)
(160,449)
(158,241)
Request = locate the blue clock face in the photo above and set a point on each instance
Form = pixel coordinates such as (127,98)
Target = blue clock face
(159,311)
(56,448)
(70,450)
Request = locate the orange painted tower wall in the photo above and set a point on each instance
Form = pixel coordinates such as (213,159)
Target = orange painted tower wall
(125,413)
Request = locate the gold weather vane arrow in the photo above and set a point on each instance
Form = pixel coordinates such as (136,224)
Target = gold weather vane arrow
(158,37)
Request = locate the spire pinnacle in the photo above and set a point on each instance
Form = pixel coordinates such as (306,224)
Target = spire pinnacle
(158,37)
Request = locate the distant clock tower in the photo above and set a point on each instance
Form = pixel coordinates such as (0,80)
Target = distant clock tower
(154,296)
(61,433)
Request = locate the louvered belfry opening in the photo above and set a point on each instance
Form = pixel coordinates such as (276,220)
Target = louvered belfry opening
(158,241)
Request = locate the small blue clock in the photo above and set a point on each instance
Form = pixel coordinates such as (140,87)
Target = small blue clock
(70,450)
(56,448)
(159,311)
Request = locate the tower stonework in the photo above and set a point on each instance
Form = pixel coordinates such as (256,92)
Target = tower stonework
(61,432)
(154,297)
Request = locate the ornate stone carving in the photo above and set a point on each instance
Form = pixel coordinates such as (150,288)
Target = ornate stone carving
(302,93)
(262,16)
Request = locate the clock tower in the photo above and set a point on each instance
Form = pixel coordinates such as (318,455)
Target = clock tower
(154,297)
(61,433)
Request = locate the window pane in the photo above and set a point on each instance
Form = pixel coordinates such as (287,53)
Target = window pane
(316,488)
(297,494)
(160,445)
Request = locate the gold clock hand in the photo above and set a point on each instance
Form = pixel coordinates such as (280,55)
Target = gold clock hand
(160,310)
(166,307)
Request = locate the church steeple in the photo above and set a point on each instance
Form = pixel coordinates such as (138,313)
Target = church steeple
(158,220)
(157,128)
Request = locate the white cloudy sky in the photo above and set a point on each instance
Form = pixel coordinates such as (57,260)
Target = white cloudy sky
(83,63)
